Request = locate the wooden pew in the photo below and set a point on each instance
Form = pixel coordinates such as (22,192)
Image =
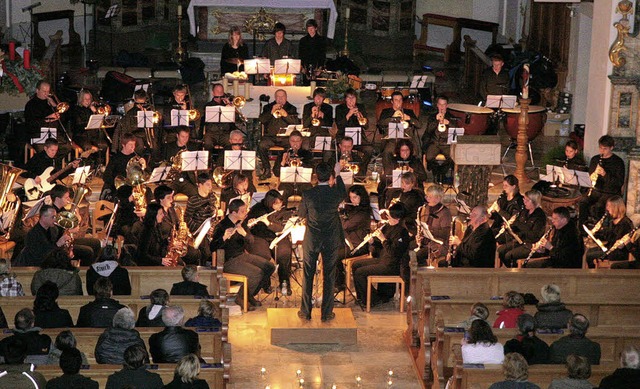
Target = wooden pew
(612,341)
(211,342)
(144,279)
(541,375)
(214,374)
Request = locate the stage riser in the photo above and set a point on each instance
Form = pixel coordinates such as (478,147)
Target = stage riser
(288,328)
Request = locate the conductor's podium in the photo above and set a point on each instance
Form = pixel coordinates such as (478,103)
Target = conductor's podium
(287,328)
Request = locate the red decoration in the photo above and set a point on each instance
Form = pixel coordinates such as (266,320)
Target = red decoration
(12,51)
(27,59)
(14,78)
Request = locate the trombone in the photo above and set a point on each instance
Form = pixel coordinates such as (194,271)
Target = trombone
(237,102)
(193,113)
(60,107)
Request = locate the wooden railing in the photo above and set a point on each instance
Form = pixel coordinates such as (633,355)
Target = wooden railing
(475,62)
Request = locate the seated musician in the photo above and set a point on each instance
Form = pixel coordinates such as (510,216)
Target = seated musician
(80,114)
(117,166)
(348,157)
(312,50)
(163,195)
(200,207)
(183,182)
(153,240)
(399,117)
(291,156)
(438,217)
(614,226)
(40,111)
(275,115)
(573,160)
(356,223)
(231,236)
(507,205)
(234,52)
(609,170)
(126,216)
(129,123)
(264,229)
(278,47)
(239,187)
(318,109)
(46,158)
(477,248)
(236,140)
(179,100)
(529,226)
(434,139)
(216,134)
(410,196)
(404,160)
(353,114)
(42,239)
(564,246)
(85,249)
(389,247)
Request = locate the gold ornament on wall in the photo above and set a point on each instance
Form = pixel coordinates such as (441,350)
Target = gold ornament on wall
(260,22)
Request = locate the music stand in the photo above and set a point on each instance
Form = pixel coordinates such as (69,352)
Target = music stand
(453,134)
(354,133)
(501,101)
(322,142)
(35,209)
(257,66)
(144,119)
(239,160)
(220,114)
(80,175)
(179,117)
(195,160)
(159,174)
(287,66)
(396,131)
(111,13)
(145,87)
(45,133)
(296,175)
(396,176)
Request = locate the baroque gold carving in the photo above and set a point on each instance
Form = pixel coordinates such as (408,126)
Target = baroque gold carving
(617,48)
(261,22)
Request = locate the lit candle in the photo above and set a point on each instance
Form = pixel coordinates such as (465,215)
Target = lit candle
(525,79)
(179,11)
(312,86)
(224,84)
(263,370)
(247,94)
(236,86)
(27,59)
(12,51)
(348,13)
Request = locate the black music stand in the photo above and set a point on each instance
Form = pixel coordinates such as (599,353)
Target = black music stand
(296,175)
(179,117)
(239,160)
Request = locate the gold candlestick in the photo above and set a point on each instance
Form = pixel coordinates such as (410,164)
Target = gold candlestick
(522,141)
(180,53)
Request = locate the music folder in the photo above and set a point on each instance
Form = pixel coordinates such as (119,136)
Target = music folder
(296,175)
(396,176)
(144,119)
(286,66)
(257,66)
(354,133)
(195,160)
(95,122)
(323,143)
(159,174)
(220,114)
(80,175)
(239,160)
(396,131)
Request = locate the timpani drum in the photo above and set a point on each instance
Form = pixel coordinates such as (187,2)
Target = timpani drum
(386,92)
(537,119)
(474,119)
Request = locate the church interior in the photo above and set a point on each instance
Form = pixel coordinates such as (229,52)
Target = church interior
(571,74)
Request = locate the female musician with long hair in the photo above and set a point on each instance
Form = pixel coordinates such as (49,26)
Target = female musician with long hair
(510,203)
(152,242)
(410,196)
(615,225)
(438,218)
(239,187)
(264,231)
(234,52)
(405,160)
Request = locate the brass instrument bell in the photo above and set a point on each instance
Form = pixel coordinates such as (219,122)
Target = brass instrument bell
(61,106)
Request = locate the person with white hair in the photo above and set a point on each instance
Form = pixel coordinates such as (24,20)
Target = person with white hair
(552,313)
(174,342)
(628,374)
(116,339)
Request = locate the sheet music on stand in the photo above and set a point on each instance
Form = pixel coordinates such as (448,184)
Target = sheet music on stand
(95,122)
(179,117)
(396,131)
(202,231)
(220,114)
(419,81)
(144,87)
(323,143)
(112,11)
(45,133)
(287,66)
(195,160)
(80,175)
(453,134)
(144,119)
(159,174)
(396,176)
(501,101)
(427,233)
(554,173)
(239,160)
(286,131)
(35,209)
(375,211)
(296,175)
(463,207)
(347,178)
(257,66)
(354,133)
(576,177)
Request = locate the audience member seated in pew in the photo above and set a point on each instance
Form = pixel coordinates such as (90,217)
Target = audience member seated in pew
(151,315)
(99,313)
(38,344)
(479,311)
(578,370)
(628,374)
(14,372)
(57,268)
(107,266)
(64,341)
(190,286)
(70,363)
(174,342)
(186,376)
(482,345)
(205,316)
(513,303)
(575,343)
(46,310)
(116,339)
(527,344)
(9,284)
(516,372)
(552,313)
(134,372)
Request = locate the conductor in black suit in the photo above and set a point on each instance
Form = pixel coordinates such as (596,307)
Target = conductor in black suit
(324,235)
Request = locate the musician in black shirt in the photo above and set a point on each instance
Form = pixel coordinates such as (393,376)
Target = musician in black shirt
(397,116)
(236,140)
(529,226)
(289,157)
(318,109)
(478,246)
(183,182)
(564,246)
(40,111)
(356,223)
(438,218)
(118,165)
(509,203)
(614,226)
(573,161)
(48,157)
(312,50)
(216,133)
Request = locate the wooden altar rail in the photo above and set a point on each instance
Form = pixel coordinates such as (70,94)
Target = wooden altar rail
(211,342)
(475,62)
(215,375)
(452,51)
(541,375)
(443,358)
(144,279)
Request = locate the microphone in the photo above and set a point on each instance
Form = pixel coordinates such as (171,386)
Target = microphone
(32,6)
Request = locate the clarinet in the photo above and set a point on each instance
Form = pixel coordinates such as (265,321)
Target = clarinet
(537,245)
(419,228)
(620,243)
(452,248)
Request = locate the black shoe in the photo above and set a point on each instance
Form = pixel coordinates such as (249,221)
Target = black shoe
(304,316)
(331,316)
(268,289)
(253,302)
(240,303)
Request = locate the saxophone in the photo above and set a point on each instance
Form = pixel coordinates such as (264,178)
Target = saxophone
(180,239)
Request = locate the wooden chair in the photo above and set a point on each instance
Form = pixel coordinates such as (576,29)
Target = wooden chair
(385,279)
(6,248)
(217,260)
(348,273)
(102,208)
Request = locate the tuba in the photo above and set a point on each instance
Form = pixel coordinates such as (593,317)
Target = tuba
(8,206)
(136,176)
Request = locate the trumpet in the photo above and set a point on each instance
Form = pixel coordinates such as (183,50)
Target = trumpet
(278,112)
(441,126)
(399,115)
(594,176)
(261,219)
(347,165)
(361,119)
(60,107)
(315,121)
(369,236)
(538,245)
(292,158)
(237,102)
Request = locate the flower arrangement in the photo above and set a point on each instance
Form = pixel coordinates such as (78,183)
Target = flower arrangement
(15,79)
(336,88)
